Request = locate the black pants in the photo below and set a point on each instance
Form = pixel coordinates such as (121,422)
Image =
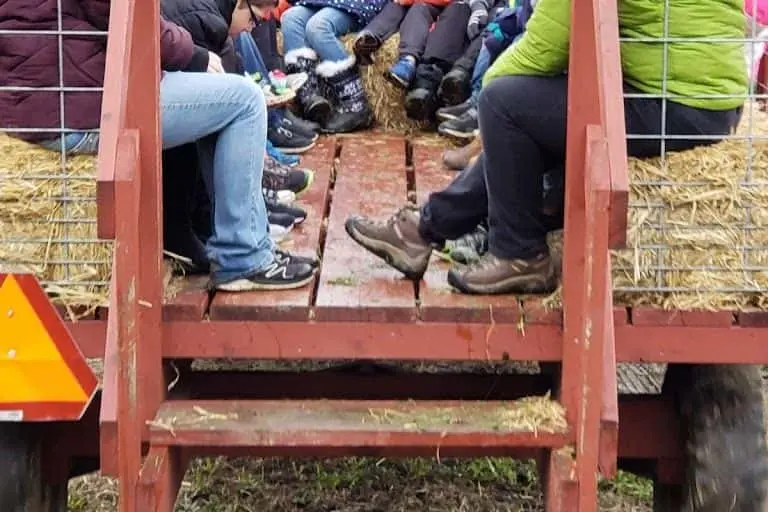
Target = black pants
(265,35)
(523,124)
(186,207)
(467,60)
(445,42)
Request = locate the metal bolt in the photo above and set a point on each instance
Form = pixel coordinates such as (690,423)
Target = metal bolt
(11,354)
(10,313)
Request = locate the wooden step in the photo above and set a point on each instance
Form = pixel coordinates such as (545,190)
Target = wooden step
(347,427)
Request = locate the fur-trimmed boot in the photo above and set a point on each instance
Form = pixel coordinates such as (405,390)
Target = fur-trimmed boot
(351,111)
(314,105)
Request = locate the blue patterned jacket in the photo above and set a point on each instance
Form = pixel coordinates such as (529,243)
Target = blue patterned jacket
(362,10)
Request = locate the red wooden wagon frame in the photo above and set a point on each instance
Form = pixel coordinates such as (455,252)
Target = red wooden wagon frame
(137,430)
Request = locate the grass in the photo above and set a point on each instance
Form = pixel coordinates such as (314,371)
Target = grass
(362,484)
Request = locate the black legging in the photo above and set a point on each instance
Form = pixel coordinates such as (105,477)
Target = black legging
(522,124)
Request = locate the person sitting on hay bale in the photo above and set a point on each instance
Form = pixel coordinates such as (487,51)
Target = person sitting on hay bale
(460,121)
(522,124)
(311,29)
(432,38)
(208,23)
(456,85)
(197,99)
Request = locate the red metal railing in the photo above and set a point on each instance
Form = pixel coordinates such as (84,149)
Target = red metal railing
(129,196)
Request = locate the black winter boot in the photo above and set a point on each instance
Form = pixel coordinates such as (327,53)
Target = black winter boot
(352,111)
(314,106)
(421,101)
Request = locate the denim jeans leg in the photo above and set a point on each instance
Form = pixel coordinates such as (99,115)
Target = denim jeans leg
(75,143)
(196,105)
(294,25)
(323,32)
(251,56)
(481,66)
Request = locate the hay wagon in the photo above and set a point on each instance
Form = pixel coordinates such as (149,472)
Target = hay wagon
(595,404)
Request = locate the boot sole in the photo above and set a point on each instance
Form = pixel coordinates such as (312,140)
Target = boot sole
(307,185)
(396,80)
(449,132)
(362,126)
(296,151)
(394,256)
(243,285)
(511,286)
(445,117)
(319,112)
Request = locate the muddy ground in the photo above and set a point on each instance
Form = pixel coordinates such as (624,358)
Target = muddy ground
(362,485)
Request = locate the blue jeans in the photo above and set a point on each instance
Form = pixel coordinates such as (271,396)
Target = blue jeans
(75,143)
(197,105)
(254,63)
(318,29)
(482,64)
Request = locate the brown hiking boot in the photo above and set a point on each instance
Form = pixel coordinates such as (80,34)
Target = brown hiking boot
(397,241)
(492,275)
(459,158)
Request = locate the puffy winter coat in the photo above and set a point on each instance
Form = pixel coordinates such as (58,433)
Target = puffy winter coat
(208,22)
(362,10)
(33,61)
(695,70)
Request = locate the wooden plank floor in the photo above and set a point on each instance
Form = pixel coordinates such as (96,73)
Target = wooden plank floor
(354,284)
(374,175)
(437,301)
(306,239)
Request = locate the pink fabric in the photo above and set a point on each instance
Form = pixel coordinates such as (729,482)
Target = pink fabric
(757,8)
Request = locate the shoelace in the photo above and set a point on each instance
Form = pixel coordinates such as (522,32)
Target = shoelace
(475,240)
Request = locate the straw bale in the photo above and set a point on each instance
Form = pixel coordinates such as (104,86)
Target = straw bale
(698,227)
(47,223)
(387,101)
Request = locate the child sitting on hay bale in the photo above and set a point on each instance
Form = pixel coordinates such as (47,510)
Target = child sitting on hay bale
(432,38)
(460,121)
(311,29)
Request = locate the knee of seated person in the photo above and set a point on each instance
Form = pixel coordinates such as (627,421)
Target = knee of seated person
(245,91)
(419,9)
(318,27)
(291,17)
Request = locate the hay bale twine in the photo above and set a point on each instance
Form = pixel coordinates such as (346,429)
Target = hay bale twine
(387,101)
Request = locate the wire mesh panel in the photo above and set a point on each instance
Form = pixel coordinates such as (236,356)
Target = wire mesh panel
(698,236)
(52,67)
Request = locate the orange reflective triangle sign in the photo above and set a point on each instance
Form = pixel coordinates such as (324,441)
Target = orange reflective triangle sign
(43,374)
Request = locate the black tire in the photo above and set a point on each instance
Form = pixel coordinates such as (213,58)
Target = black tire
(667,498)
(22,487)
(726,457)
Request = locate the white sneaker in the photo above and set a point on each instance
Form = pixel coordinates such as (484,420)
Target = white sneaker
(279,233)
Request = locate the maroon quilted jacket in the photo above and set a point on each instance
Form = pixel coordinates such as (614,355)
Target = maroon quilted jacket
(32,61)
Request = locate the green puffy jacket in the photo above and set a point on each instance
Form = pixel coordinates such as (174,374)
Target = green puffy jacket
(694,69)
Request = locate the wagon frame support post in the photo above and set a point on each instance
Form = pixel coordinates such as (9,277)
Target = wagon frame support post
(129,194)
(595,220)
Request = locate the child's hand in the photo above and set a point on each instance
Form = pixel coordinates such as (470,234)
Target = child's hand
(477,20)
(214,63)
